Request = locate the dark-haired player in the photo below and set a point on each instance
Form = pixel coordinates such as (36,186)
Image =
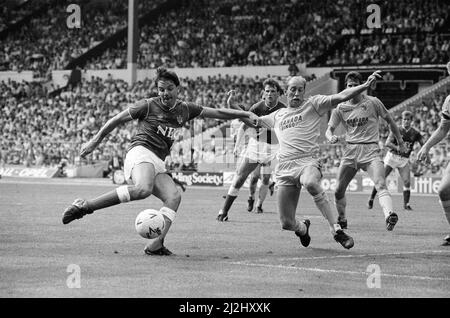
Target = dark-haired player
(260,153)
(360,117)
(159,120)
(395,159)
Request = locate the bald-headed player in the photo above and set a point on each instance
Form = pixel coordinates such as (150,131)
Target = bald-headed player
(395,159)
(440,133)
(297,128)
(360,117)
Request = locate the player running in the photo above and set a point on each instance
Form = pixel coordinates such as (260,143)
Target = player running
(298,130)
(360,118)
(395,159)
(440,133)
(261,151)
(159,120)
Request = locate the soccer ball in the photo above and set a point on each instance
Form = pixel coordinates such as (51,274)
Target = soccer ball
(150,223)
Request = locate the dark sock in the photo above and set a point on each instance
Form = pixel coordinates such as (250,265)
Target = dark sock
(228,203)
(406,196)
(374,193)
(105,200)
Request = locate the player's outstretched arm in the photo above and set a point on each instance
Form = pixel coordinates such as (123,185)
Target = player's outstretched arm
(110,125)
(245,116)
(439,134)
(349,93)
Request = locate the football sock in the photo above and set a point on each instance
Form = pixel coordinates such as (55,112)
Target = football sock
(228,203)
(340,206)
(323,204)
(263,189)
(373,194)
(406,195)
(105,200)
(446,207)
(385,200)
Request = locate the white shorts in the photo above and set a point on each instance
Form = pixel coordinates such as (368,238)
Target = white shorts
(140,154)
(395,161)
(260,152)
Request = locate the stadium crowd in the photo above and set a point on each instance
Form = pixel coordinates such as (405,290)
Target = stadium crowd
(40,129)
(212,33)
(46,43)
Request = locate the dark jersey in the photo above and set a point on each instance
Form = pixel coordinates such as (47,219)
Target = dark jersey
(158,126)
(261,109)
(410,137)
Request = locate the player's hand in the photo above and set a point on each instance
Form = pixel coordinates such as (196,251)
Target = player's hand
(402,148)
(87,148)
(373,78)
(334,139)
(236,151)
(231,98)
(422,155)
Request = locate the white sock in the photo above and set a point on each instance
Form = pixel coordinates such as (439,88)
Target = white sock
(324,206)
(263,189)
(385,202)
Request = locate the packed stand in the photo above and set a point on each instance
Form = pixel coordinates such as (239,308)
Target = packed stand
(38,129)
(13,11)
(212,33)
(393,49)
(46,43)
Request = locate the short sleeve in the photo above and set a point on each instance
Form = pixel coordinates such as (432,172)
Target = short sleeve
(321,103)
(268,121)
(194,110)
(335,118)
(380,108)
(140,109)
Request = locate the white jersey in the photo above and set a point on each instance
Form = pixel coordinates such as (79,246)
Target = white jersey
(298,129)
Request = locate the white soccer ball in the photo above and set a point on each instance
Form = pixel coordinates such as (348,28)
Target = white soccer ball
(150,223)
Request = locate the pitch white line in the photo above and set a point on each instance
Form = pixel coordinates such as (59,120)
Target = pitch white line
(333,271)
(362,255)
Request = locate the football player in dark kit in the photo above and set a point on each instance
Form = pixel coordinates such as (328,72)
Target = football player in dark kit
(159,120)
(395,159)
(261,151)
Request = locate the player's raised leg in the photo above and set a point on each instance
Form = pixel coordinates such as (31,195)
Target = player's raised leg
(164,189)
(310,179)
(444,198)
(376,173)
(287,200)
(387,171)
(405,174)
(143,175)
(345,175)
(245,168)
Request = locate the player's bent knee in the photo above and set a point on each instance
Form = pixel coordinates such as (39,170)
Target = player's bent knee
(312,187)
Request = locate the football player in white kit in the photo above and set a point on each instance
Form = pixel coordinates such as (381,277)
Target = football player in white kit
(440,133)
(298,130)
